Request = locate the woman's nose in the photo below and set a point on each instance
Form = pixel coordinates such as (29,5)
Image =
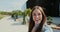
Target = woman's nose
(36,16)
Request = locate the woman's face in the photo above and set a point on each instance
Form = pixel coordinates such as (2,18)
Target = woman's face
(37,16)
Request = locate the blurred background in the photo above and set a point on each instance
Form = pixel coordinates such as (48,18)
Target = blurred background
(15,14)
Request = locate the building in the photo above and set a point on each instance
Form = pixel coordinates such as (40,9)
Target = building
(51,6)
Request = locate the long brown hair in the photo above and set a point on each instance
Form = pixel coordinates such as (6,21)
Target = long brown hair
(31,23)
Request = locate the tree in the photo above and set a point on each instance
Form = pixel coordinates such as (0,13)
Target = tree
(16,13)
(25,13)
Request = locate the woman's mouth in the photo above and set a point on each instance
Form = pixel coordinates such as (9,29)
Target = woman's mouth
(37,20)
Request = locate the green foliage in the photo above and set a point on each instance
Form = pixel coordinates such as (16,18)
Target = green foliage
(24,22)
(49,20)
(16,13)
(5,13)
(25,13)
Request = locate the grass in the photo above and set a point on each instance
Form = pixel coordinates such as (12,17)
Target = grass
(1,16)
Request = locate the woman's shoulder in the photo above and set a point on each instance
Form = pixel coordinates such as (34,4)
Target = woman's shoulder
(47,28)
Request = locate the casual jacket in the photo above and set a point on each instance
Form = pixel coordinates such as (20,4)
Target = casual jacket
(47,28)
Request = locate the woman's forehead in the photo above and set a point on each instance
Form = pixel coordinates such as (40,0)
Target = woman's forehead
(36,11)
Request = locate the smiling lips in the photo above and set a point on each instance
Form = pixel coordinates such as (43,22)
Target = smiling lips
(37,20)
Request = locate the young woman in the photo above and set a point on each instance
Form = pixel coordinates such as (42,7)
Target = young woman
(38,21)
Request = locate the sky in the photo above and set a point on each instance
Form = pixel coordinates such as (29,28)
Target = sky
(9,5)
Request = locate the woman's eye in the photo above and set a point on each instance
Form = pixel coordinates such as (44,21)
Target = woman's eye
(38,13)
(34,14)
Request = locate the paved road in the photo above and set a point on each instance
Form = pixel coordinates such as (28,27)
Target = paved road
(7,24)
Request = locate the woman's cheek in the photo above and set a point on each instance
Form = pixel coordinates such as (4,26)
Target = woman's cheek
(34,18)
(40,18)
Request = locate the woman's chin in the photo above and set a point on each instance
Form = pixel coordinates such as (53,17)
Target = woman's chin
(36,23)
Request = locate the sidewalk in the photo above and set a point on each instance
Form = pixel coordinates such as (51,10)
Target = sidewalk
(6,26)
